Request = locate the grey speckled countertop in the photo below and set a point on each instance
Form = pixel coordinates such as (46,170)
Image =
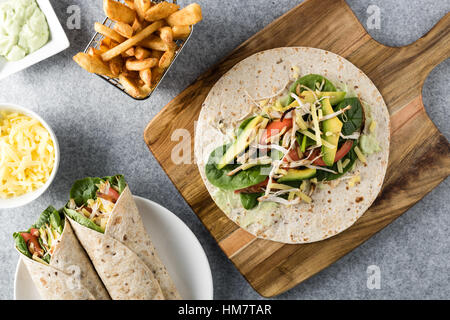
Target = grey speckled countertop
(100,133)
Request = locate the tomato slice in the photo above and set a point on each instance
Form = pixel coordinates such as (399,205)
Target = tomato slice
(253,189)
(111,195)
(29,238)
(274,128)
(342,152)
(34,232)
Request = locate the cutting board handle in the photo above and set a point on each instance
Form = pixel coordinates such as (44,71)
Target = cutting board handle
(433,48)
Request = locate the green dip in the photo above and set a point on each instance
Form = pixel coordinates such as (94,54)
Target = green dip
(262,214)
(369,144)
(23,28)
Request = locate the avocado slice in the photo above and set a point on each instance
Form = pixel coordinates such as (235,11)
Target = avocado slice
(297,174)
(334,97)
(333,125)
(241,143)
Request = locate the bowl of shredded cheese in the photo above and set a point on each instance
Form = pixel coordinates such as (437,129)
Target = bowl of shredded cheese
(29,156)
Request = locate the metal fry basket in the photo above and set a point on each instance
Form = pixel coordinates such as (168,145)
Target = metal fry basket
(95,43)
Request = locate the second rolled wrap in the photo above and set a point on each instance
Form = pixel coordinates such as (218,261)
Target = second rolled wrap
(123,254)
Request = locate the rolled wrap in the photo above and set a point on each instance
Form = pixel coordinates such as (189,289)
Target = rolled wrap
(125,225)
(124,256)
(69,275)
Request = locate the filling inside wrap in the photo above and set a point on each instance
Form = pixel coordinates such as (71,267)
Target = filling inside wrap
(40,241)
(92,200)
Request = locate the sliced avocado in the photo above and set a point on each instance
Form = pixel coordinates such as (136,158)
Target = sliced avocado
(333,125)
(43,234)
(241,143)
(334,97)
(298,174)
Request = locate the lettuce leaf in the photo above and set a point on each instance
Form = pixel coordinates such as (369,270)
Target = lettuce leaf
(81,219)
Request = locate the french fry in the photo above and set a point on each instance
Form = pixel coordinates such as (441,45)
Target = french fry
(165,33)
(141,53)
(155,43)
(103,48)
(187,16)
(118,11)
(93,52)
(137,25)
(106,42)
(145,90)
(156,54)
(157,73)
(180,32)
(138,65)
(166,59)
(116,65)
(141,7)
(130,52)
(92,64)
(146,76)
(160,11)
(130,74)
(129,85)
(124,46)
(108,32)
(130,3)
(124,29)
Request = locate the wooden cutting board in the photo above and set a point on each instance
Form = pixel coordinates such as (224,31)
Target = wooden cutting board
(419,154)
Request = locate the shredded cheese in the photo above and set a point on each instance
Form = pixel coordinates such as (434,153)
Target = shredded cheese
(304,197)
(360,155)
(316,125)
(313,137)
(345,163)
(372,126)
(26,154)
(354,180)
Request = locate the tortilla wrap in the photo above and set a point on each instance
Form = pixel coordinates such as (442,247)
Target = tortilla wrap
(124,255)
(70,274)
(125,225)
(335,207)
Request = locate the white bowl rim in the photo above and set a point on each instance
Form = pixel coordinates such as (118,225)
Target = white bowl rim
(29,197)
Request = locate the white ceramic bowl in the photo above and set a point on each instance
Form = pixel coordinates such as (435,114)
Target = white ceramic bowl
(58,42)
(28,197)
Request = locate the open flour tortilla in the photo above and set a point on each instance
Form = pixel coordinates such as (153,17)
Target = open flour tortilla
(70,274)
(335,207)
(124,255)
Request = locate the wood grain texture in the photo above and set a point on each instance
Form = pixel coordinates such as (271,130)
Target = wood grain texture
(399,73)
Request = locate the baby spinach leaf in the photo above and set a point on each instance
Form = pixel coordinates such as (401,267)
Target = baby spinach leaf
(52,217)
(84,189)
(250,200)
(21,245)
(240,180)
(352,119)
(309,81)
(81,219)
(117,181)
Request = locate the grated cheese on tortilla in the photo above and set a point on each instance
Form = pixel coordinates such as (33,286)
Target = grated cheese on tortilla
(27,154)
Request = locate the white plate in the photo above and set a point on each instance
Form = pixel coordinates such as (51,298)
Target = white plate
(177,247)
(58,42)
